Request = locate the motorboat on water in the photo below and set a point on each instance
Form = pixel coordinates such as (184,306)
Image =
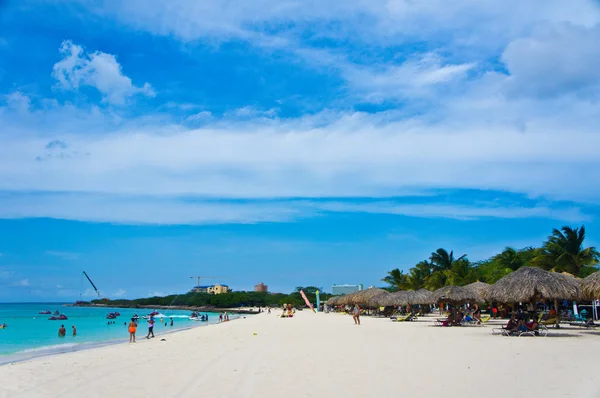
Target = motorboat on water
(45,312)
(61,317)
(112,315)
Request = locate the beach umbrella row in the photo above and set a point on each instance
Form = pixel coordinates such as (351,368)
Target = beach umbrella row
(527,284)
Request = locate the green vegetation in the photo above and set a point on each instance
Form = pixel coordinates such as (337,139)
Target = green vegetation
(563,251)
(225,300)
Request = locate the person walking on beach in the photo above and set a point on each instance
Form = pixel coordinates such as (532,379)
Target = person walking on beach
(62,332)
(132,329)
(356,315)
(150,328)
(74,330)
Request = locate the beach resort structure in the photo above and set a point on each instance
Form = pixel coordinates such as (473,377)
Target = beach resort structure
(212,289)
(346,289)
(261,287)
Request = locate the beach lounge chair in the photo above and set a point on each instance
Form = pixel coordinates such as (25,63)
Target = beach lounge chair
(402,318)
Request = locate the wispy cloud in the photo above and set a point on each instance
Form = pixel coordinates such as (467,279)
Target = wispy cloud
(120,293)
(63,255)
(21,283)
(151,210)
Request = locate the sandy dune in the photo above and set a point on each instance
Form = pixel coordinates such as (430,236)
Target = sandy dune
(318,355)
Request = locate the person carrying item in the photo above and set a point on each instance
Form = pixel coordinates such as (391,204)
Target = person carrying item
(150,327)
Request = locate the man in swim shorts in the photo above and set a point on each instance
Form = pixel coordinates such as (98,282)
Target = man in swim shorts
(150,328)
(62,332)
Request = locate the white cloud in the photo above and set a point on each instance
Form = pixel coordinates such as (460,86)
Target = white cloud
(120,293)
(200,116)
(21,283)
(18,101)
(413,78)
(150,210)
(554,60)
(97,69)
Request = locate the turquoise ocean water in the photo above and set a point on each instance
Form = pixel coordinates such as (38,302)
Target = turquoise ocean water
(29,334)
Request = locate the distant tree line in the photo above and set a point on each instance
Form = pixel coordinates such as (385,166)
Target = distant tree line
(231,299)
(563,251)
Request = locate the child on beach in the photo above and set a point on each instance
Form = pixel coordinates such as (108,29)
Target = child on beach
(132,329)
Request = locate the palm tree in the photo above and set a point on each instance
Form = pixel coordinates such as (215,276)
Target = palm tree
(563,251)
(442,260)
(462,273)
(417,275)
(397,279)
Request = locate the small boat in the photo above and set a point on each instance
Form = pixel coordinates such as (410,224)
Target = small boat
(111,316)
(61,317)
(117,314)
(153,313)
(45,312)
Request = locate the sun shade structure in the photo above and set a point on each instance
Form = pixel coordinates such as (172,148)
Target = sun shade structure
(590,286)
(395,299)
(481,288)
(333,300)
(456,294)
(367,297)
(529,283)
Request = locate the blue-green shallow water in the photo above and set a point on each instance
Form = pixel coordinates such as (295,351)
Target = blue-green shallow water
(31,334)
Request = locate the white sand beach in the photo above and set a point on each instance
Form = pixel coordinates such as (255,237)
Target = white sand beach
(318,355)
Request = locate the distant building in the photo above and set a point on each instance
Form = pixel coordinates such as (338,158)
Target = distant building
(212,289)
(261,287)
(345,289)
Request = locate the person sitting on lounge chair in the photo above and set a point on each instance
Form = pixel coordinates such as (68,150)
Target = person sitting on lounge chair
(527,327)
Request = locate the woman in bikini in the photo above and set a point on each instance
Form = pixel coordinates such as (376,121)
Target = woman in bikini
(132,329)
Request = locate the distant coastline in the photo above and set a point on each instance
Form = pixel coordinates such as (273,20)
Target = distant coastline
(167,307)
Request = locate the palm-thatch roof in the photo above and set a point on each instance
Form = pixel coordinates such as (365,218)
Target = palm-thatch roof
(395,299)
(480,288)
(456,294)
(591,286)
(333,300)
(528,283)
(421,296)
(368,297)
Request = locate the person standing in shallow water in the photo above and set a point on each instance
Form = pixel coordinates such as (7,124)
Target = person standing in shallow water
(171,321)
(62,332)
(74,330)
(356,315)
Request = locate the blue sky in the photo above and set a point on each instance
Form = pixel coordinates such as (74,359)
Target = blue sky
(294,143)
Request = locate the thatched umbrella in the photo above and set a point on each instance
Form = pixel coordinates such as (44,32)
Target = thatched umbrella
(395,299)
(367,297)
(529,283)
(421,296)
(456,294)
(480,288)
(591,286)
(333,300)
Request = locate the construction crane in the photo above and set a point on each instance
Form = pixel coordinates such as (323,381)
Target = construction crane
(204,277)
(92,283)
